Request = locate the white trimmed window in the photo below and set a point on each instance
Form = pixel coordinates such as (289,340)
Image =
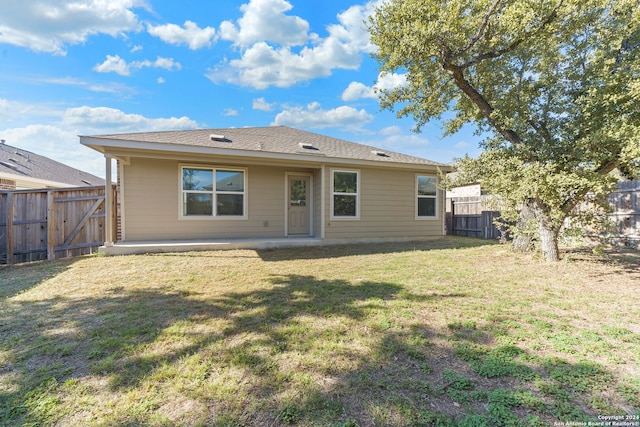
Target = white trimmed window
(345,185)
(427,196)
(213,192)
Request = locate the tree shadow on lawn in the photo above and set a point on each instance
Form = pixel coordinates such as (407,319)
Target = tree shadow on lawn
(284,354)
(338,251)
(126,336)
(37,272)
(624,259)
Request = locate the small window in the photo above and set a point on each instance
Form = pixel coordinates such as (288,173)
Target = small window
(344,199)
(200,197)
(427,196)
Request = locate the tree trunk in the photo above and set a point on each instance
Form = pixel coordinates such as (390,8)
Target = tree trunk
(548,230)
(523,242)
(549,241)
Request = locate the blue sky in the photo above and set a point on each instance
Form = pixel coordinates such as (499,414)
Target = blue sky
(82,67)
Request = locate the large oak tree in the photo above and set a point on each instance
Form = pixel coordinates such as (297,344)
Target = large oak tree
(555,82)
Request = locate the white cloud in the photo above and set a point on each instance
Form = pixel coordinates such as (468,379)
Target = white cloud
(352,29)
(136,48)
(50,25)
(190,34)
(277,49)
(160,80)
(115,64)
(111,120)
(58,139)
(266,20)
(58,143)
(262,66)
(390,130)
(390,81)
(262,105)
(357,90)
(314,117)
(14,113)
(230,112)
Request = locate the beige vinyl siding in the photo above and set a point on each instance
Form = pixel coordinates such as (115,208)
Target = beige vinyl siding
(152,196)
(317,202)
(387,208)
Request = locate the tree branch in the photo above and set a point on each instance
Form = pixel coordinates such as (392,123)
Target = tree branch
(517,42)
(477,98)
(480,32)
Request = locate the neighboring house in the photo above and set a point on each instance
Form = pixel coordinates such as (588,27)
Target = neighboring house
(21,169)
(268,183)
(471,190)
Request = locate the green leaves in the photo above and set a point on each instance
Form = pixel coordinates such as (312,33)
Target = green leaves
(555,81)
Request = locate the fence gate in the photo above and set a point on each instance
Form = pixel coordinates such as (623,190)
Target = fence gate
(50,223)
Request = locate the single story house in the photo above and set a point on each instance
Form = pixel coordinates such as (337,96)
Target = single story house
(22,170)
(265,184)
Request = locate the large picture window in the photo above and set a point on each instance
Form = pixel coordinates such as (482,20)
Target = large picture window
(344,197)
(427,196)
(213,192)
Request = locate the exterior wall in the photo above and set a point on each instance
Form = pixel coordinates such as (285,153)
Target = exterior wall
(317,203)
(387,207)
(472,190)
(151,198)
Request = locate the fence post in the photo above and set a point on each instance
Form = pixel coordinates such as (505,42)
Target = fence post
(51,226)
(453,218)
(9,222)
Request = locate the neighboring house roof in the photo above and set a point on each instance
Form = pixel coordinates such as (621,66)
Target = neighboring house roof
(34,171)
(269,142)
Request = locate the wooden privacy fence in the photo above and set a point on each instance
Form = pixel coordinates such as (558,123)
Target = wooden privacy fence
(625,213)
(51,223)
(472,217)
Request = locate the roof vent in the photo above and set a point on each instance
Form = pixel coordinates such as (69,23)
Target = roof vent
(307,146)
(217,137)
(85,181)
(9,165)
(380,153)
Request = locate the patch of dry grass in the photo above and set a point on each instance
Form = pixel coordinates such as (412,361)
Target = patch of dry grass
(447,332)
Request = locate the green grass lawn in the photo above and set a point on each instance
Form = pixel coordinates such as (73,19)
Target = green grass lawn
(451,332)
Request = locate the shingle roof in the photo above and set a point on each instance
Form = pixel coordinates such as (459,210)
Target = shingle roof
(25,164)
(271,139)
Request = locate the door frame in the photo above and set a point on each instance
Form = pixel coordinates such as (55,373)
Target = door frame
(287,176)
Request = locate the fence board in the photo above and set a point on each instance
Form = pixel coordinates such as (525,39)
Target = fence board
(50,223)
